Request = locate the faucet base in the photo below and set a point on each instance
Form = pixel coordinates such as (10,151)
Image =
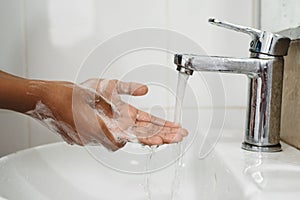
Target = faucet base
(251,147)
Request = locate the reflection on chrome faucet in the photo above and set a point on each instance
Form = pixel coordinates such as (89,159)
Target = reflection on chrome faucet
(264,69)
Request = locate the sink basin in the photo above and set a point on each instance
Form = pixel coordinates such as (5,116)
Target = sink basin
(61,171)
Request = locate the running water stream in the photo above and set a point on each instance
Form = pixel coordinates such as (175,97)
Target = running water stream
(147,176)
(181,85)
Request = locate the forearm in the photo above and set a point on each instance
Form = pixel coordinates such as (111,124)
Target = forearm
(15,94)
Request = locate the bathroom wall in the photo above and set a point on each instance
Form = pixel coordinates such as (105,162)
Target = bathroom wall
(278,15)
(49,39)
(14,132)
(290,117)
(286,15)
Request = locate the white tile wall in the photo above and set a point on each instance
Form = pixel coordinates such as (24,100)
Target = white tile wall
(190,18)
(60,34)
(13,127)
(12,42)
(278,15)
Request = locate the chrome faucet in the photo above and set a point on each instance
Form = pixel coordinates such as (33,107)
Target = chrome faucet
(264,69)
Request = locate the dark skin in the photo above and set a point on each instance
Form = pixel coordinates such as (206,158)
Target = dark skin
(91,113)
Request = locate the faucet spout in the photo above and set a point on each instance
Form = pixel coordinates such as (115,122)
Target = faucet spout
(265,88)
(247,66)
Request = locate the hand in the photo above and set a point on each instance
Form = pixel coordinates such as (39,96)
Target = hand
(93,113)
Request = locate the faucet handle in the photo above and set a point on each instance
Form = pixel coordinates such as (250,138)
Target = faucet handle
(263,42)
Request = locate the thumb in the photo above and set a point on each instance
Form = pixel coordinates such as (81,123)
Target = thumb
(131,88)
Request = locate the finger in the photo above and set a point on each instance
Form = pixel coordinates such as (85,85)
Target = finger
(131,88)
(167,134)
(153,129)
(146,117)
(159,140)
(104,87)
(155,140)
(171,138)
(164,132)
(146,130)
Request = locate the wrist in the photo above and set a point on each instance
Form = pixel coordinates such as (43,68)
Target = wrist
(36,92)
(15,93)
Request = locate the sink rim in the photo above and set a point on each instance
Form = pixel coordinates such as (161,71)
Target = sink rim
(245,167)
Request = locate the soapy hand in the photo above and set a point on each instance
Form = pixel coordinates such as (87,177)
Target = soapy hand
(127,123)
(93,113)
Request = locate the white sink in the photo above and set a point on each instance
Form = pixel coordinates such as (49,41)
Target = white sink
(59,171)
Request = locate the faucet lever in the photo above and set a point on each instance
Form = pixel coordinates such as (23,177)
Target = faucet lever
(254,33)
(263,42)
